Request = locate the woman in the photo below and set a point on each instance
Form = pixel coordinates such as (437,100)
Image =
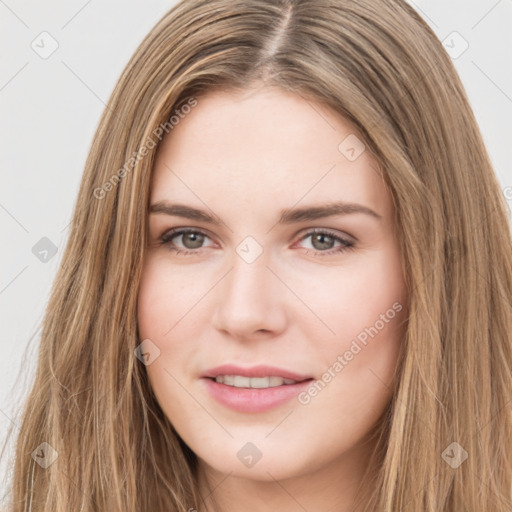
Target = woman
(288,279)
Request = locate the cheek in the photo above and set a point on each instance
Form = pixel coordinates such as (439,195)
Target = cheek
(164,297)
(169,306)
(158,309)
(149,303)
(364,307)
(160,305)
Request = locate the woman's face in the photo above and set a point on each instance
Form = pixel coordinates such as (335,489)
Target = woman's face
(286,287)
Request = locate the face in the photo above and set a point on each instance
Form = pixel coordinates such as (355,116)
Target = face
(272,299)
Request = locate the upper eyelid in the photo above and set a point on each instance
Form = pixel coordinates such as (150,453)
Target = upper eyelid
(181,231)
(175,232)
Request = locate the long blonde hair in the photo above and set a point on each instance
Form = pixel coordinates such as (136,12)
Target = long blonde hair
(380,66)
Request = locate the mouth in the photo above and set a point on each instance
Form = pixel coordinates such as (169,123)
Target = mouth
(255,389)
(240,381)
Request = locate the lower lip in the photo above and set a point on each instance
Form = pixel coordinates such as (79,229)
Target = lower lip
(253,399)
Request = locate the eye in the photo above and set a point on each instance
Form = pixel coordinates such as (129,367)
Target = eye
(323,242)
(191,240)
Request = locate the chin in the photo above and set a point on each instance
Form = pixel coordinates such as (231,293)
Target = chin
(260,461)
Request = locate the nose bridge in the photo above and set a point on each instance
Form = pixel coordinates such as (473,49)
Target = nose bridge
(247,285)
(249,300)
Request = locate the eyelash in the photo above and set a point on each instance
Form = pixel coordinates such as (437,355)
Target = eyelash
(167,237)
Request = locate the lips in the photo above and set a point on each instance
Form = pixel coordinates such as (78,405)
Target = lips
(255,371)
(239,381)
(255,389)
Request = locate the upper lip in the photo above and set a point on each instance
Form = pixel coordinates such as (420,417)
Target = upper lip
(254,371)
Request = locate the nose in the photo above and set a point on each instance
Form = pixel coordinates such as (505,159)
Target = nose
(250,301)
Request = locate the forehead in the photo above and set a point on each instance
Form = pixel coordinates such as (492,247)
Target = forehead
(248,147)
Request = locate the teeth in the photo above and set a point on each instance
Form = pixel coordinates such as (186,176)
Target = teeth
(239,381)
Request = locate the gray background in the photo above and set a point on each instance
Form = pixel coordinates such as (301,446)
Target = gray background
(51,105)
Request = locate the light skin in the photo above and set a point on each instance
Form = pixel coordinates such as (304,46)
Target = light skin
(244,158)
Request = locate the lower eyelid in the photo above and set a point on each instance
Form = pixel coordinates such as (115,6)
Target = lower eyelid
(167,238)
(338,238)
(344,245)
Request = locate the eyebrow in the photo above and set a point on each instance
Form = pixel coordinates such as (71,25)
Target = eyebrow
(287,216)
